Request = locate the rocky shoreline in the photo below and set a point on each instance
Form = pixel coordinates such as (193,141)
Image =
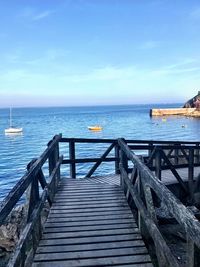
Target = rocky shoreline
(10,232)
(12,229)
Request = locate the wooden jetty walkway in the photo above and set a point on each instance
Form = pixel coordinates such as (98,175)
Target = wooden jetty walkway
(107,220)
(90,225)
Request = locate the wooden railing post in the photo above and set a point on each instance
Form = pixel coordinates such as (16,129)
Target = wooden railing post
(57,155)
(191,174)
(72,158)
(176,154)
(158,163)
(124,164)
(150,151)
(117,171)
(33,194)
(197,154)
(51,168)
(34,198)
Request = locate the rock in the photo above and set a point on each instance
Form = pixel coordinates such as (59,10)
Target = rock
(10,232)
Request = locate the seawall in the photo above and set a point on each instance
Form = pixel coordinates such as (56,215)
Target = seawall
(175,111)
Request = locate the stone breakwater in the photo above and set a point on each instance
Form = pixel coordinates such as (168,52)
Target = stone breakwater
(190,112)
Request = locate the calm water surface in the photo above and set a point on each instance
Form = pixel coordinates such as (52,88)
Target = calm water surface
(41,124)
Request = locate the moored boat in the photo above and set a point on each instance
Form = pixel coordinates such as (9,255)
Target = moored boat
(95,128)
(12,129)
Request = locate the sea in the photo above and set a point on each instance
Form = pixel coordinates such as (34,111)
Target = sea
(41,124)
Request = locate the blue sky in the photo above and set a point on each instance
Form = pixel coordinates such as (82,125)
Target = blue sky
(93,52)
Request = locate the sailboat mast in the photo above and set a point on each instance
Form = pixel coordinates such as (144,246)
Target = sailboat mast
(10,118)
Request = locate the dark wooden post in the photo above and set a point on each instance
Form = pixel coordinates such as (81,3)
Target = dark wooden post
(197,154)
(124,164)
(34,199)
(176,155)
(33,194)
(141,223)
(52,165)
(56,155)
(158,163)
(191,173)
(72,159)
(117,171)
(150,151)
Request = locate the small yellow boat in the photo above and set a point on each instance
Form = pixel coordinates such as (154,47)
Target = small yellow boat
(95,128)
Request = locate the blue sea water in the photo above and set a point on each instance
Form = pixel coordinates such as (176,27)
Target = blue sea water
(41,124)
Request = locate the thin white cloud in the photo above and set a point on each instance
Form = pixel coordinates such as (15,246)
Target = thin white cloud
(149,45)
(35,15)
(181,63)
(42,15)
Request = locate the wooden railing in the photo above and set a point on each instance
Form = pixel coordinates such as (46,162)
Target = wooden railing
(40,192)
(157,155)
(177,154)
(142,187)
(72,159)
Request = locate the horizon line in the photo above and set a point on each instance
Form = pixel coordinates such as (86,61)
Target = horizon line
(98,105)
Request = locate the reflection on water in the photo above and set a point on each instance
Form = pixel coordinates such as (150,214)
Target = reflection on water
(13,134)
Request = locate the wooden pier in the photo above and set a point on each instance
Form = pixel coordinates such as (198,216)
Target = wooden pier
(90,225)
(109,220)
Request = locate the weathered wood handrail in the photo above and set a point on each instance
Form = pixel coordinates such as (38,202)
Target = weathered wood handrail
(159,155)
(37,199)
(147,180)
(15,194)
(136,145)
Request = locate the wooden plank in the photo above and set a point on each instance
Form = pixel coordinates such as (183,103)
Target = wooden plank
(90,233)
(87,198)
(89,240)
(91,218)
(90,247)
(66,229)
(89,206)
(79,194)
(85,203)
(82,188)
(92,210)
(96,261)
(89,223)
(86,191)
(91,254)
(91,227)
(89,191)
(89,214)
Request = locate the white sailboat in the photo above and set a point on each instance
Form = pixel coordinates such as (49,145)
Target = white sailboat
(12,129)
